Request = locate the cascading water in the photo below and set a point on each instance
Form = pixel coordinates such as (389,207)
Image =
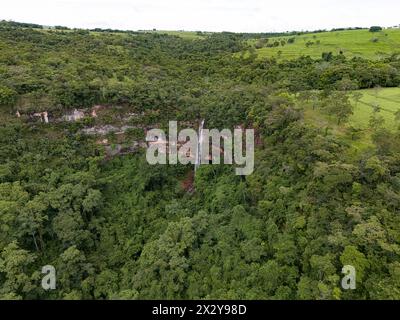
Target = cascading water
(198,149)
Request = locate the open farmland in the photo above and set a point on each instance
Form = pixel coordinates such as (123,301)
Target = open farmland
(352,43)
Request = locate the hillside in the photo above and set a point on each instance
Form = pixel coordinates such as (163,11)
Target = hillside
(352,43)
(383,103)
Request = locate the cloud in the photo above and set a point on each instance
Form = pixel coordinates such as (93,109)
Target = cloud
(207,15)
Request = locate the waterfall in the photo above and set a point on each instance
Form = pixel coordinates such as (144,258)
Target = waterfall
(198,149)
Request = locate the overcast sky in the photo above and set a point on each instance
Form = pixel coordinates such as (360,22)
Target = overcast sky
(206,15)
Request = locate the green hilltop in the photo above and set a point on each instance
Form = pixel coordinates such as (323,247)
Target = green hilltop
(351,43)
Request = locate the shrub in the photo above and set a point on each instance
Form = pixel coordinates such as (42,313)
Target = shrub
(375,29)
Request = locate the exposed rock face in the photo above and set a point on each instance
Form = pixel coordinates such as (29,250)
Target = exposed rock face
(75,116)
(113,151)
(132,115)
(95,109)
(103,130)
(43,116)
(118,149)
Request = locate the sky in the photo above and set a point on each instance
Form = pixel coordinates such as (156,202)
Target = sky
(204,15)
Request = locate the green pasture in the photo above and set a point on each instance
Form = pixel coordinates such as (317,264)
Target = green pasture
(372,45)
(388,101)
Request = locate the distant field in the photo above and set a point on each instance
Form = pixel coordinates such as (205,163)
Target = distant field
(351,43)
(191,35)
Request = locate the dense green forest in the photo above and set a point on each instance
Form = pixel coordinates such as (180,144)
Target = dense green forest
(115,227)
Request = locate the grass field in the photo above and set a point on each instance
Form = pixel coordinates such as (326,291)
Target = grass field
(190,35)
(388,100)
(351,43)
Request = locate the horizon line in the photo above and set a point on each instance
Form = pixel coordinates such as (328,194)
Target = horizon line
(203,31)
